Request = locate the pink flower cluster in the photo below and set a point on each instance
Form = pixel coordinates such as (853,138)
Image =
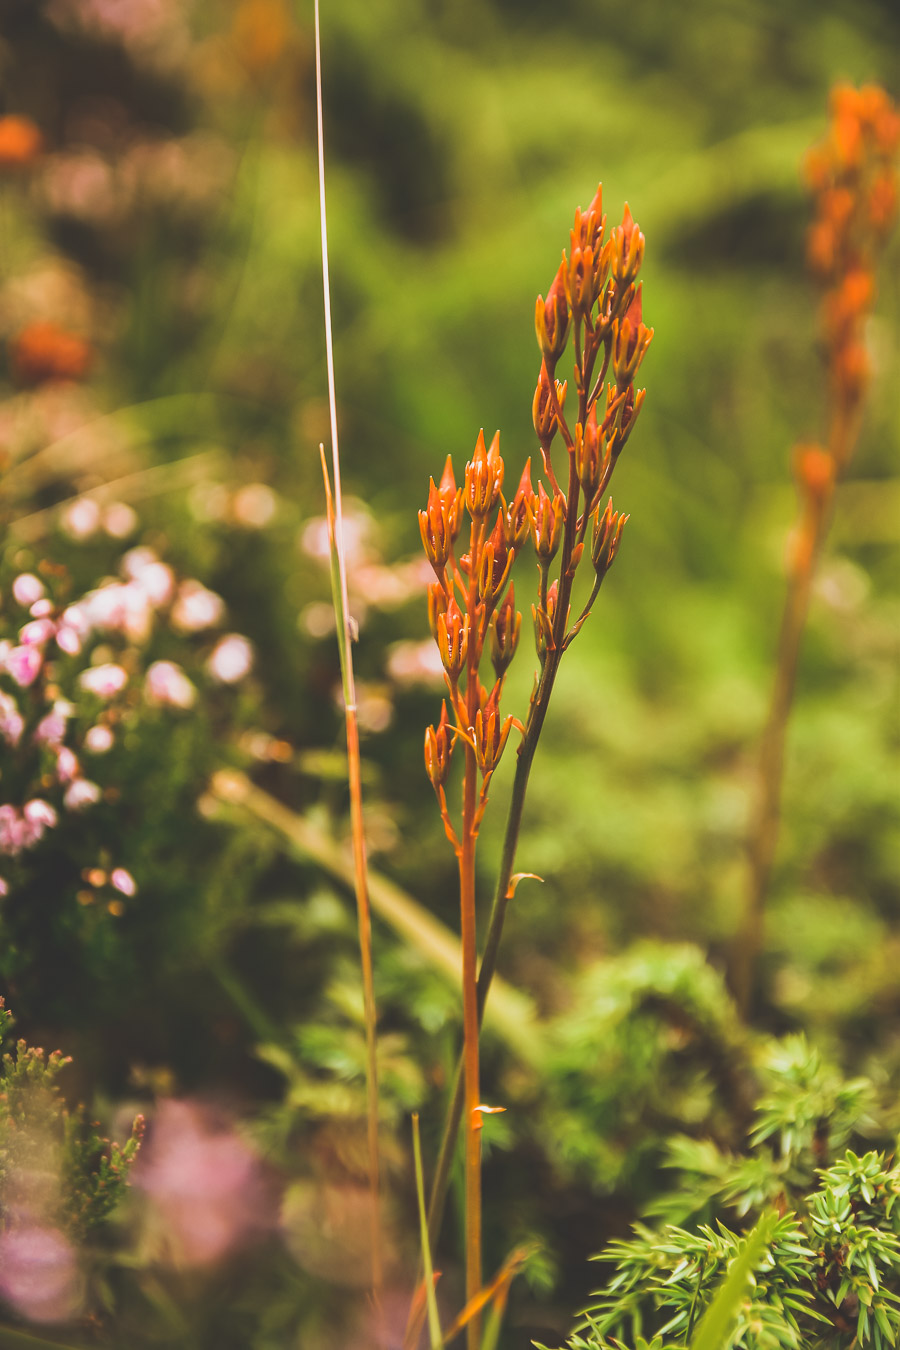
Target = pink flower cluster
(106,628)
(205,1183)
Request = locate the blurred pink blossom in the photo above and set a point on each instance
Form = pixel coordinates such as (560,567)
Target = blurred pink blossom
(123,881)
(80,793)
(196,608)
(37,632)
(39,816)
(27,588)
(166,683)
(12,723)
(205,1182)
(98,739)
(81,518)
(231,659)
(156,579)
(51,729)
(415,663)
(104,681)
(24,664)
(67,766)
(13,831)
(38,1273)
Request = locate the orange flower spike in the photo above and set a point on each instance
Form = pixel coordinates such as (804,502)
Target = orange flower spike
(815,472)
(438,749)
(20,142)
(484,478)
(506,624)
(551,319)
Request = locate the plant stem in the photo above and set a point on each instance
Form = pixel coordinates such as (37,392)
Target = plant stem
(342,613)
(763,834)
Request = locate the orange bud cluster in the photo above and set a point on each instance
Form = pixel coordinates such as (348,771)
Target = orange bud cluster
(471,607)
(853,175)
(595,299)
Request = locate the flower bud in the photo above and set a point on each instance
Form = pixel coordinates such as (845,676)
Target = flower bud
(607,537)
(517,512)
(484,477)
(630,342)
(506,624)
(491,735)
(628,250)
(547,516)
(453,639)
(496,560)
(590,455)
(438,749)
(543,413)
(551,319)
(437,605)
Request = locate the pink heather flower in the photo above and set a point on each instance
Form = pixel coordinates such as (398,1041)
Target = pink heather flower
(24,664)
(67,766)
(80,793)
(166,683)
(68,641)
(205,1182)
(415,663)
(41,608)
(254,505)
(51,729)
(156,579)
(104,681)
(4,886)
(39,816)
(196,608)
(37,632)
(27,589)
(98,739)
(119,520)
(38,1273)
(124,607)
(81,518)
(231,659)
(12,831)
(123,881)
(12,723)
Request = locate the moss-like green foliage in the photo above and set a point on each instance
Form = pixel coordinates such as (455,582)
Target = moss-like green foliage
(829,1272)
(54,1165)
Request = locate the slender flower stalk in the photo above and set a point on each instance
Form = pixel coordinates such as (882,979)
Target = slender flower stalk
(344,626)
(853,176)
(596,299)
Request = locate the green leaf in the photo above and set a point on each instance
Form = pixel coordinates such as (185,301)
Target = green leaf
(720,1316)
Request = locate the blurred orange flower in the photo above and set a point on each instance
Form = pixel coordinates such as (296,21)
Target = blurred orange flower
(20,142)
(43,352)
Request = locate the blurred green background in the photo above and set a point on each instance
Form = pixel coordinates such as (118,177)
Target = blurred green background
(172,221)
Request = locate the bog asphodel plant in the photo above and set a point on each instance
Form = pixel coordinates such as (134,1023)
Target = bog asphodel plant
(472,535)
(853,177)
